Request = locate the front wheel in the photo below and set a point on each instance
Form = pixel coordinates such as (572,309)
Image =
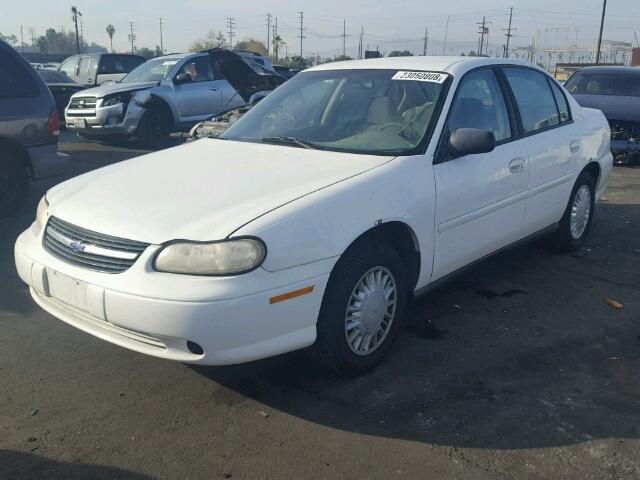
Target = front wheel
(578,216)
(361,310)
(152,131)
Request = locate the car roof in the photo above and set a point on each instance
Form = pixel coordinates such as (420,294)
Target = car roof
(611,69)
(453,65)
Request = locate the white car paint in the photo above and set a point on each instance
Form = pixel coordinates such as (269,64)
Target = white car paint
(308,207)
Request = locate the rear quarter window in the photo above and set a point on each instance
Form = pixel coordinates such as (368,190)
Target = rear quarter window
(115,64)
(15,80)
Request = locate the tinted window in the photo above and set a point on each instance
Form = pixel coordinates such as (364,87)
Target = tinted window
(563,106)
(200,69)
(70,67)
(535,100)
(51,76)
(619,84)
(479,104)
(112,64)
(15,79)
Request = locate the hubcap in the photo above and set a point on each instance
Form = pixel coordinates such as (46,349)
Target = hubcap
(370,311)
(580,212)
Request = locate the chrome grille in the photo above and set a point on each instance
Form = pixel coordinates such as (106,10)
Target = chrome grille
(82,107)
(91,250)
(623,130)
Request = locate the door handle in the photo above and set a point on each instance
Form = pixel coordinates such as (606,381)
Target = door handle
(516,165)
(213,89)
(574,146)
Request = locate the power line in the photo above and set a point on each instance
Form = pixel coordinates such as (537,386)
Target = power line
(508,34)
(301,31)
(132,37)
(231,24)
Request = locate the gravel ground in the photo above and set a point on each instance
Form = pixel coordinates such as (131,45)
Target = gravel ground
(518,369)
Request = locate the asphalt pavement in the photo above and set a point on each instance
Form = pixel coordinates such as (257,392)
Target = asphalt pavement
(517,369)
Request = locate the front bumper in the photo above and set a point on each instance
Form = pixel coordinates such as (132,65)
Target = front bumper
(105,121)
(156,313)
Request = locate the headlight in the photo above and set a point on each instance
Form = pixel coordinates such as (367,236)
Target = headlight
(116,99)
(41,213)
(227,257)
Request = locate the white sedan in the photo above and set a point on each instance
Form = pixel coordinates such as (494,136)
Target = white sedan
(316,217)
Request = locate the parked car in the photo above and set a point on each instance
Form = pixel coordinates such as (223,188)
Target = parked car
(61,87)
(314,218)
(169,94)
(616,92)
(29,128)
(94,69)
(285,72)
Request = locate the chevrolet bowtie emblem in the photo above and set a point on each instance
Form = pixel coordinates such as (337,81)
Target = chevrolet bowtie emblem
(77,247)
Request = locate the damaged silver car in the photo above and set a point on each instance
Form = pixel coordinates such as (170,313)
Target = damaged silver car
(170,94)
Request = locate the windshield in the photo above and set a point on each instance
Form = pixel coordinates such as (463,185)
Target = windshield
(619,84)
(154,70)
(382,112)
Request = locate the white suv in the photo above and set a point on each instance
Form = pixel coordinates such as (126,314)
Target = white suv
(315,217)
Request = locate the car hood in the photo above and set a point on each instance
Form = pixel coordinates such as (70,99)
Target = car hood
(202,190)
(109,88)
(616,108)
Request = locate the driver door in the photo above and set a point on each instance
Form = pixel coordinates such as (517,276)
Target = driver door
(480,199)
(200,97)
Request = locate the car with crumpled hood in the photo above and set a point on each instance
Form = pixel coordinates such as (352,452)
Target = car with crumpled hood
(169,94)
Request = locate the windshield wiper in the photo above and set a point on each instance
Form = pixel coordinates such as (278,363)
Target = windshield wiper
(292,141)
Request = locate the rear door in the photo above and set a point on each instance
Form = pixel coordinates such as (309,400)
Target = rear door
(84,71)
(201,97)
(552,143)
(480,199)
(70,68)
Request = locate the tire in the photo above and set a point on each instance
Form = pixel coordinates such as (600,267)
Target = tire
(332,349)
(572,232)
(152,132)
(14,184)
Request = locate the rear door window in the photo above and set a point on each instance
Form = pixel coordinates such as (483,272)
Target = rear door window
(116,64)
(535,100)
(561,100)
(15,80)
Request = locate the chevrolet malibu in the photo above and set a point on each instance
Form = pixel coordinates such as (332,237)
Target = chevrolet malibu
(314,219)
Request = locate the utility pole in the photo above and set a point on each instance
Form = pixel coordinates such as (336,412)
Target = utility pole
(32,32)
(75,13)
(132,37)
(301,31)
(81,33)
(231,24)
(276,41)
(360,52)
(484,30)
(344,37)
(426,41)
(446,31)
(161,43)
(604,8)
(508,34)
(268,34)
(22,38)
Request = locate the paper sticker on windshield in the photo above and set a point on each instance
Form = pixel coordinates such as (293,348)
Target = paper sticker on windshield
(170,62)
(432,77)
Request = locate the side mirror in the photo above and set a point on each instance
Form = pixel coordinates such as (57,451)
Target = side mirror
(183,77)
(469,141)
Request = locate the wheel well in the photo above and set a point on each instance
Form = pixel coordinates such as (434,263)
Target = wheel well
(593,169)
(13,147)
(165,110)
(403,240)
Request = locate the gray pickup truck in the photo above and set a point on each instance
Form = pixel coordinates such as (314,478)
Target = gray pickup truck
(170,94)
(29,129)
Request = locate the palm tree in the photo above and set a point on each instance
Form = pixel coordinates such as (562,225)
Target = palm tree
(111,32)
(277,44)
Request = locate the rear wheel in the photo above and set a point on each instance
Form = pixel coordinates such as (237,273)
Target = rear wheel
(153,131)
(578,216)
(361,310)
(14,184)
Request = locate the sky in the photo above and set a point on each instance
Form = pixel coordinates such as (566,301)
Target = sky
(388,25)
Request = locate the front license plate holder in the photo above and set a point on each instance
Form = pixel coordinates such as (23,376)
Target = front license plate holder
(68,290)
